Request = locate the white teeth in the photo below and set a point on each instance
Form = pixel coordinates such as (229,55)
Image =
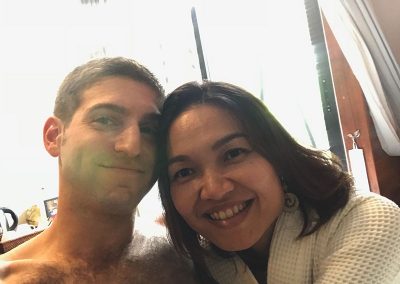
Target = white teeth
(228,213)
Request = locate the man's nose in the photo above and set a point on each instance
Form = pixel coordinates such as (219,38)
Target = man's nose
(128,141)
(215,186)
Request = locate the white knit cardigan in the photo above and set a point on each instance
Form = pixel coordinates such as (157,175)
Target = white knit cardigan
(360,244)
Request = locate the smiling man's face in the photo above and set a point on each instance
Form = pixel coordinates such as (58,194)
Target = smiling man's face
(107,152)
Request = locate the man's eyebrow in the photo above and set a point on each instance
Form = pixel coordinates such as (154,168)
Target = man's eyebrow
(107,106)
(216,145)
(153,117)
(227,139)
(150,117)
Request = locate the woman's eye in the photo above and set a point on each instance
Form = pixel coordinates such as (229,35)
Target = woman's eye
(233,153)
(182,173)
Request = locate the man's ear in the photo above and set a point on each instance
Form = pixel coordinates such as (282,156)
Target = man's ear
(52,130)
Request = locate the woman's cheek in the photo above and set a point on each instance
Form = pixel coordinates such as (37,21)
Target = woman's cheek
(183,200)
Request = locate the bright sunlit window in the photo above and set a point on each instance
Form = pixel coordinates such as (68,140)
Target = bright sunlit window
(265,47)
(259,45)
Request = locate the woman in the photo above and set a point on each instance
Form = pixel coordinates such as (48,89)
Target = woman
(234,183)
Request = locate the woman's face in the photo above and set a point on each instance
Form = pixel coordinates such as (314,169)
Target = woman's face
(223,189)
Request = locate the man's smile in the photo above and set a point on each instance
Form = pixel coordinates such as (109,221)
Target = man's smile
(123,168)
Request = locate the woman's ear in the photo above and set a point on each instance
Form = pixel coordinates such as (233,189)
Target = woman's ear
(51,135)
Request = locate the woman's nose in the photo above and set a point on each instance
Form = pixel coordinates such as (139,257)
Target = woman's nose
(128,141)
(215,186)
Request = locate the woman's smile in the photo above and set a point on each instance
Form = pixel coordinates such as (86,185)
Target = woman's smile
(223,189)
(228,213)
(230,217)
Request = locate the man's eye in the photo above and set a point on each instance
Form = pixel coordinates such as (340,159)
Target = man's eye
(234,153)
(105,120)
(148,129)
(182,173)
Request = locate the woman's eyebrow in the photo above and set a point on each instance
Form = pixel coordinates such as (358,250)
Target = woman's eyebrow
(220,142)
(227,138)
(176,159)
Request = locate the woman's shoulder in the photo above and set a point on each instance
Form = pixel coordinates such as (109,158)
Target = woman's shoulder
(360,241)
(370,204)
(365,211)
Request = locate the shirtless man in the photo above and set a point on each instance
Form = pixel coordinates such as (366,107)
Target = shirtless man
(103,133)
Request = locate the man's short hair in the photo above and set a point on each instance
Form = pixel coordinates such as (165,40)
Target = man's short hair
(84,76)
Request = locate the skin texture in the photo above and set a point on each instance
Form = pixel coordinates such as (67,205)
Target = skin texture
(106,157)
(147,260)
(212,168)
(107,152)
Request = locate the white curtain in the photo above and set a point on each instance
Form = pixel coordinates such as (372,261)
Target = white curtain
(359,35)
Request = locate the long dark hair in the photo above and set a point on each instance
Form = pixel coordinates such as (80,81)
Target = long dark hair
(316,177)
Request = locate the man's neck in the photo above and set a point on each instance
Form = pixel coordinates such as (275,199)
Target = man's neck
(101,238)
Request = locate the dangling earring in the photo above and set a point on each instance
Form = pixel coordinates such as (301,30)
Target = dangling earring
(290,199)
(204,243)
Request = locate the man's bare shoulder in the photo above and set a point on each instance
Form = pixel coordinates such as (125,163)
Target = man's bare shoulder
(148,259)
(30,271)
(127,271)
(17,265)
